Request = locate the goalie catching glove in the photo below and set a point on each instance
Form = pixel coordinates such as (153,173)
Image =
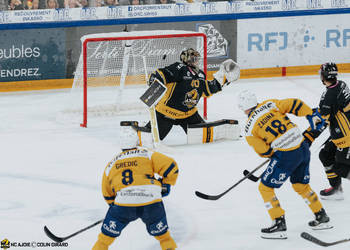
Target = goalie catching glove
(229,72)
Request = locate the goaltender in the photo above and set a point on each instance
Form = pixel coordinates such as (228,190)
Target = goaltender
(185,84)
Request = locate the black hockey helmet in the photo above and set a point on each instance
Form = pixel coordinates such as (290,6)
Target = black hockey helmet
(328,71)
(190,57)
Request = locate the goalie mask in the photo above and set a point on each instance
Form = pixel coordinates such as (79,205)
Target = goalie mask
(190,57)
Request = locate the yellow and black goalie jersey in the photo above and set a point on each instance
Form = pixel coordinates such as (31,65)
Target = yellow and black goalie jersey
(269,129)
(128,180)
(185,87)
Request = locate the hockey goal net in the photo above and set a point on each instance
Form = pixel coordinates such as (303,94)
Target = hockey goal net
(111,64)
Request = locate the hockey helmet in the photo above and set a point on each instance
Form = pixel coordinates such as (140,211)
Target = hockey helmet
(128,137)
(247,100)
(190,57)
(328,71)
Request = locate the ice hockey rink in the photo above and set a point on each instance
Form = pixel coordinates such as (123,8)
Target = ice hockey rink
(51,174)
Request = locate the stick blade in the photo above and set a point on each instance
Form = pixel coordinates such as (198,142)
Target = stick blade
(313,239)
(52,236)
(207,197)
(251,177)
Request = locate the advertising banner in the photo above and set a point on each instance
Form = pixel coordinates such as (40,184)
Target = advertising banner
(32,55)
(293,41)
(221,37)
(177,10)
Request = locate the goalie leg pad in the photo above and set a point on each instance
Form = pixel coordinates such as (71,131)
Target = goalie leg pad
(213,131)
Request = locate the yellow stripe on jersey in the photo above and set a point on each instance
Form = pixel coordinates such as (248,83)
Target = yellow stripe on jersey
(169,93)
(347,108)
(162,76)
(331,175)
(340,124)
(208,134)
(345,123)
(174,113)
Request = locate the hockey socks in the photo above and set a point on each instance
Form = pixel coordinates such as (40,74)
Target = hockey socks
(103,242)
(166,241)
(310,197)
(272,204)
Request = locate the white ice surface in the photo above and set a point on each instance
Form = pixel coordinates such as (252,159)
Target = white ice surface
(50,174)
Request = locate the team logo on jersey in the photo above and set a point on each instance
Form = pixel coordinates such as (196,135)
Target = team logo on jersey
(112,225)
(191,99)
(160,227)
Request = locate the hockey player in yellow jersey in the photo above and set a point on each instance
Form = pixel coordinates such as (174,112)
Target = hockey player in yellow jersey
(132,191)
(273,135)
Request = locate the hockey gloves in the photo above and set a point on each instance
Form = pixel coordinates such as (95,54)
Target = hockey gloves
(316,121)
(165,189)
(229,72)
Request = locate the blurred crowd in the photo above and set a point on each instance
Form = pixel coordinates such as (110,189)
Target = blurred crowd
(53,4)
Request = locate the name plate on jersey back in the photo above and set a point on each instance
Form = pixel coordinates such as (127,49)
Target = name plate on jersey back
(153,94)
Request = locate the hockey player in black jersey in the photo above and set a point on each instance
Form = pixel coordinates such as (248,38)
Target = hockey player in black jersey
(335,107)
(186,84)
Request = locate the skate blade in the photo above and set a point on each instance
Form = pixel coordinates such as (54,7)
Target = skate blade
(333,198)
(276,235)
(322,226)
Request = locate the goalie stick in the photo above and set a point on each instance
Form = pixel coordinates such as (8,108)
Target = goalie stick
(313,239)
(216,197)
(61,239)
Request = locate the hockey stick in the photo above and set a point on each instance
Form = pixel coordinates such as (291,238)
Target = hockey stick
(313,239)
(61,239)
(216,197)
(251,176)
